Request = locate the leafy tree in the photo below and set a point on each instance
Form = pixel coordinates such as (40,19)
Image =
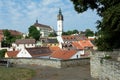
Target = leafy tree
(52,34)
(109,26)
(88,32)
(2,53)
(8,38)
(34,33)
(70,32)
(75,31)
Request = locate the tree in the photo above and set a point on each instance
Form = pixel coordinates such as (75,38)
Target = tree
(109,26)
(53,34)
(69,32)
(8,38)
(88,32)
(75,31)
(2,53)
(34,33)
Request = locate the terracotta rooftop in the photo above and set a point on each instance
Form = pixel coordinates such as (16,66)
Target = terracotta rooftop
(77,45)
(86,43)
(55,48)
(73,38)
(63,54)
(25,41)
(1,37)
(13,32)
(39,51)
(12,53)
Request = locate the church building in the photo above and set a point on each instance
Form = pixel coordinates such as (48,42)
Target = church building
(45,30)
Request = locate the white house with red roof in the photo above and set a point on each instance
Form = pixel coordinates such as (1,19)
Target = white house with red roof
(66,54)
(37,52)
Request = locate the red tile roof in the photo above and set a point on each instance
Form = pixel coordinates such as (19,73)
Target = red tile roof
(1,37)
(55,48)
(86,43)
(25,41)
(77,45)
(73,38)
(13,32)
(12,53)
(63,54)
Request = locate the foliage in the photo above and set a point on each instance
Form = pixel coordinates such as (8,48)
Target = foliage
(52,34)
(9,39)
(70,32)
(109,26)
(2,53)
(88,32)
(34,33)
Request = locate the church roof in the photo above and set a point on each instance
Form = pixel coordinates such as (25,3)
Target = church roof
(41,25)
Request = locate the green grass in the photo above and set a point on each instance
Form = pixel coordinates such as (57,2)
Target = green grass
(13,73)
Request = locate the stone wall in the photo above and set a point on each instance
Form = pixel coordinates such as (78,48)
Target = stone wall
(110,70)
(105,69)
(49,62)
(75,62)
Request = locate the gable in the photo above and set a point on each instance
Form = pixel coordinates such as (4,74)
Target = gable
(24,53)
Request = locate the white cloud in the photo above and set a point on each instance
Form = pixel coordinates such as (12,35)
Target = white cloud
(23,13)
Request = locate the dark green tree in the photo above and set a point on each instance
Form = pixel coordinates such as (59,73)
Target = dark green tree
(69,32)
(8,38)
(34,33)
(109,26)
(88,32)
(75,31)
(2,53)
(52,34)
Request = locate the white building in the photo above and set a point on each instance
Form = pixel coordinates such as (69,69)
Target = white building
(45,30)
(24,43)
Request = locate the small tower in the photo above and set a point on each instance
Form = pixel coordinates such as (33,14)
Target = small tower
(59,23)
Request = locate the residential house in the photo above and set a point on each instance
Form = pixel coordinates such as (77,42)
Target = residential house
(24,43)
(66,54)
(49,42)
(86,44)
(66,40)
(37,52)
(45,30)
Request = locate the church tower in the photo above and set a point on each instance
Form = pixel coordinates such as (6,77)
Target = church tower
(59,23)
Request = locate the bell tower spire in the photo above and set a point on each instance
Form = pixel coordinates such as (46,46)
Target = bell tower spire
(59,23)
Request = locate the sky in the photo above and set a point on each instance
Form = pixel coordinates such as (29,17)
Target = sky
(21,14)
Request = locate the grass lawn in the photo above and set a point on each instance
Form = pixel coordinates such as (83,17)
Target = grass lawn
(13,73)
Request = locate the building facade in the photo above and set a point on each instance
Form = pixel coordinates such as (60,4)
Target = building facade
(45,30)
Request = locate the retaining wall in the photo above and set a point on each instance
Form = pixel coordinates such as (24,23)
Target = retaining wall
(49,62)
